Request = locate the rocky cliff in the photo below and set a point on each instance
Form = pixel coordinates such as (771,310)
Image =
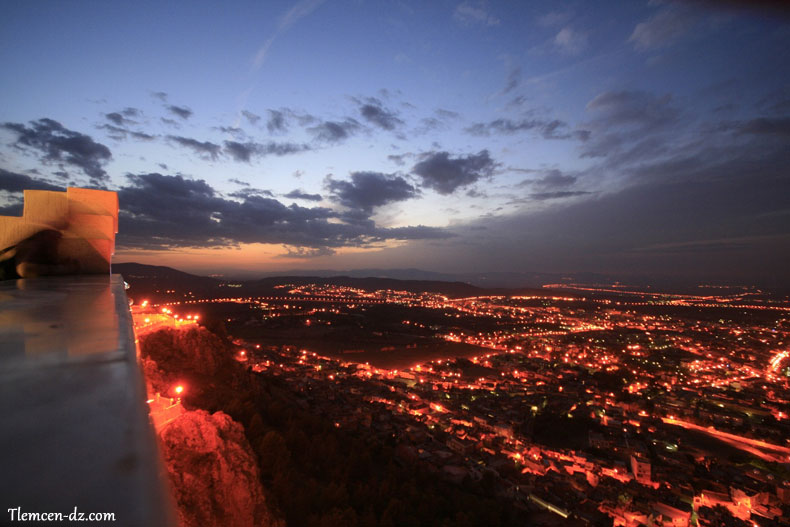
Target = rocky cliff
(214,472)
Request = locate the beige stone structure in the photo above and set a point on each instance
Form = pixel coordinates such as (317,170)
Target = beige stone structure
(87,220)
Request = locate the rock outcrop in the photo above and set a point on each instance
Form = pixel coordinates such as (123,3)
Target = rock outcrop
(214,472)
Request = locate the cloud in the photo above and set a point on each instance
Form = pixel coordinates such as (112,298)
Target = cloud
(61,145)
(778,127)
(300,194)
(775,102)
(368,190)
(557,194)
(570,42)
(634,107)
(162,96)
(246,192)
(245,151)
(513,80)
(701,214)
(118,119)
(161,211)
(202,148)
(373,111)
(181,111)
(554,18)
(334,131)
(120,133)
(446,114)
(251,117)
(276,121)
(293,15)
(13,182)
(553,129)
(663,29)
(307,252)
(445,174)
(418,232)
(630,124)
(398,159)
(232,130)
(552,179)
(469,14)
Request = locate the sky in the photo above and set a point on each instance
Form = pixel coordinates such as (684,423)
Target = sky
(625,137)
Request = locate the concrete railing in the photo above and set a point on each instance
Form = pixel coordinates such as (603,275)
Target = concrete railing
(74,429)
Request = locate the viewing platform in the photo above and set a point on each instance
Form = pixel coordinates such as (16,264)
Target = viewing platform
(76,430)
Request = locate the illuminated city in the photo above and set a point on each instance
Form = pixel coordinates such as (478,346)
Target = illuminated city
(586,402)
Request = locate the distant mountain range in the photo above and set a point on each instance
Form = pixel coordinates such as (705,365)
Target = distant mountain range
(485,280)
(158,280)
(461,284)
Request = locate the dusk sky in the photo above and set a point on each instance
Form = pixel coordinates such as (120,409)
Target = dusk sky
(627,138)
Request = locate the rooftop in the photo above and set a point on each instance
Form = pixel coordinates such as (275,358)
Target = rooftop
(73,398)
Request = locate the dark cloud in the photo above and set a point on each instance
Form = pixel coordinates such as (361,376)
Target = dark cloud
(627,125)
(334,131)
(557,194)
(368,190)
(554,129)
(399,159)
(203,148)
(15,208)
(162,211)
(300,194)
(771,8)
(634,108)
(245,151)
(170,122)
(776,102)
(246,192)
(513,80)
(446,114)
(373,111)
(445,174)
(120,133)
(162,96)
(251,117)
(417,232)
(440,120)
(429,124)
(710,209)
(779,127)
(13,182)
(552,179)
(181,111)
(232,130)
(276,122)
(118,119)
(61,145)
(239,182)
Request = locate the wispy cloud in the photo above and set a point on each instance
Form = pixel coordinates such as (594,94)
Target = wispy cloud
(297,12)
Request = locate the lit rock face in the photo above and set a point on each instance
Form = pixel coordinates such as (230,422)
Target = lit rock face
(193,355)
(214,472)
